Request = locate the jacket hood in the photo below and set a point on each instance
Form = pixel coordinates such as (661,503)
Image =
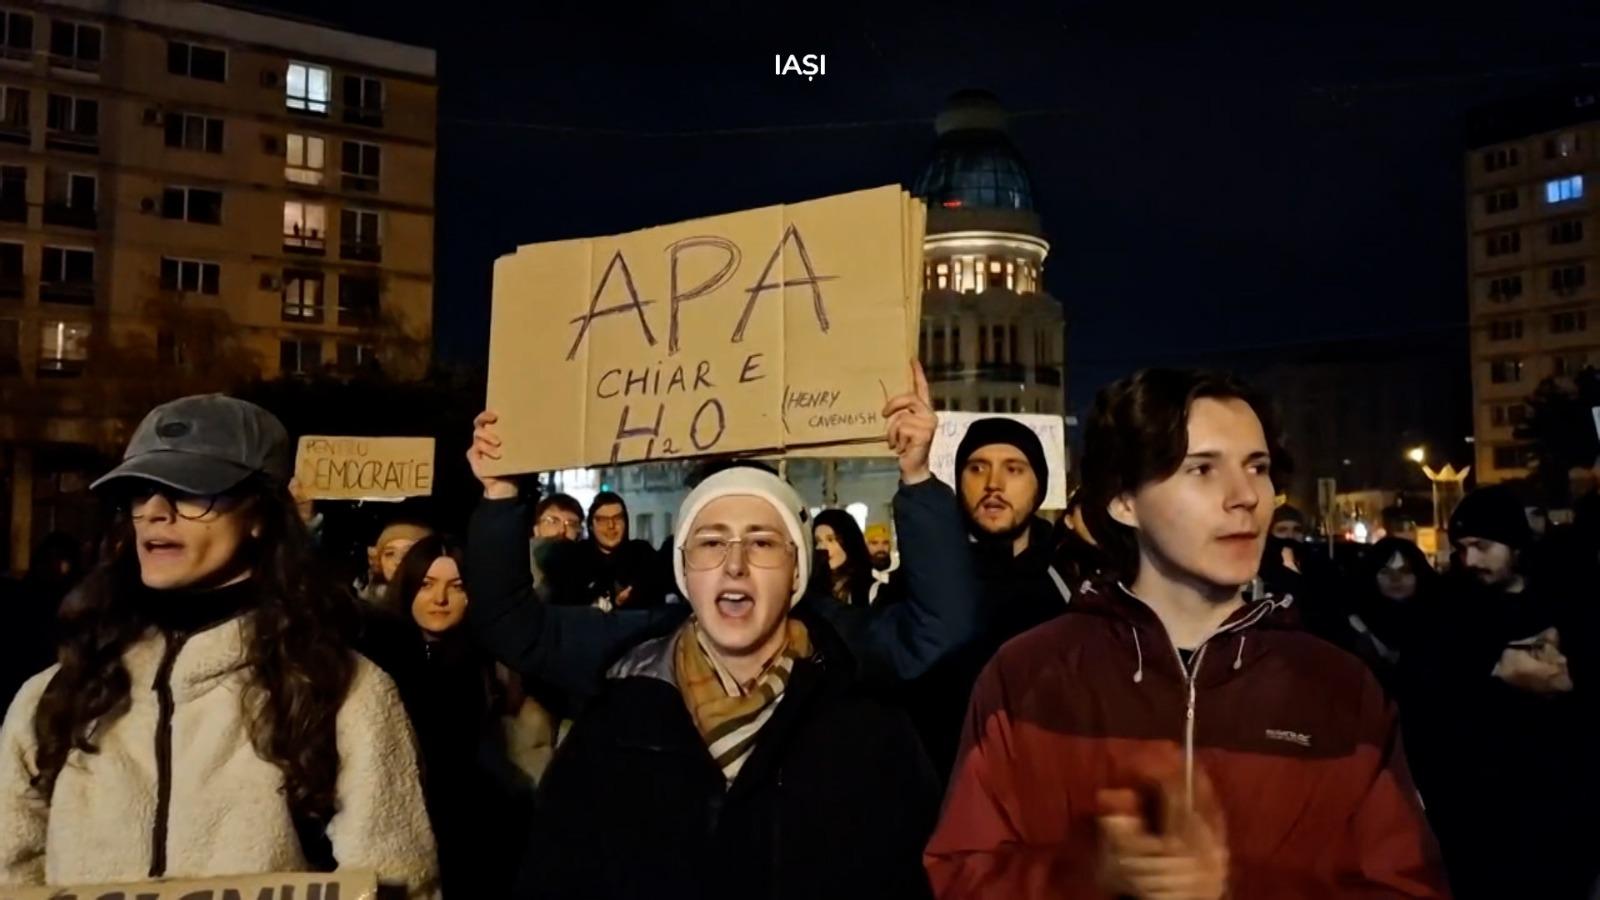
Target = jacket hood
(1138,625)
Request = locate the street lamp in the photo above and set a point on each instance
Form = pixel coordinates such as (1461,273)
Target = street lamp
(1448,474)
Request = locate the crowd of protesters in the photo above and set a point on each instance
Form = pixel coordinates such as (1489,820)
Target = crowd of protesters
(1168,693)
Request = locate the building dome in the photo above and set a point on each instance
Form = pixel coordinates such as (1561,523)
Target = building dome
(974,165)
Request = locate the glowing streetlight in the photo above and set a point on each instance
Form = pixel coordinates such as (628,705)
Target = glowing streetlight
(1417,455)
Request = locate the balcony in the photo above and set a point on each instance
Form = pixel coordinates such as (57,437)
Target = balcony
(71,216)
(945,372)
(364,115)
(366,184)
(77,293)
(1009,372)
(60,367)
(361,251)
(73,142)
(310,243)
(1050,375)
(13,209)
(16,133)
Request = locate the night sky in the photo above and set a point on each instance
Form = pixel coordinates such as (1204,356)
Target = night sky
(1209,179)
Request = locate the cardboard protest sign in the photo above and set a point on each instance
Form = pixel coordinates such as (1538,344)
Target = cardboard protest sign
(785,326)
(364,468)
(1050,429)
(285,886)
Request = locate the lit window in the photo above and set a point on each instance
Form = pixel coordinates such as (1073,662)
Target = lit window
(307,88)
(302,296)
(63,347)
(1561,190)
(303,158)
(305,226)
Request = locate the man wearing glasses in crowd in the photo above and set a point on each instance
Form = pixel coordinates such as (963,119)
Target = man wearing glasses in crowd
(557,520)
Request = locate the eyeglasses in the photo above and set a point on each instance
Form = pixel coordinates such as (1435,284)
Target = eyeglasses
(568,525)
(185,506)
(764,550)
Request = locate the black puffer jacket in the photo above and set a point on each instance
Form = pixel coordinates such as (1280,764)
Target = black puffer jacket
(837,800)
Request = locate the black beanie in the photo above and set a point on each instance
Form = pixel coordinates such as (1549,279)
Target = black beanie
(998,430)
(1492,514)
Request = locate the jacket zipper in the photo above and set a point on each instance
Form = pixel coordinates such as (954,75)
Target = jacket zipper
(164,703)
(1189,673)
(1188,718)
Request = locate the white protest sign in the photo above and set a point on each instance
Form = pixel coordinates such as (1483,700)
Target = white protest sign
(1050,429)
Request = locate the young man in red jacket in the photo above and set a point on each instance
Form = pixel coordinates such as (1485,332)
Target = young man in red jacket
(1167,737)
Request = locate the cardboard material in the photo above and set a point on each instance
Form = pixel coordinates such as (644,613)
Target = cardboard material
(1052,433)
(364,468)
(785,326)
(284,886)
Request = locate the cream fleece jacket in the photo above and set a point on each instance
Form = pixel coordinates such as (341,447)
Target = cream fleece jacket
(227,815)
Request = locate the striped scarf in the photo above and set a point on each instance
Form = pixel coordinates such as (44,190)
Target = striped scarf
(728,714)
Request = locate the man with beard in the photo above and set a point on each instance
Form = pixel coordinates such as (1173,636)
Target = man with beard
(1502,722)
(880,546)
(1168,737)
(1002,478)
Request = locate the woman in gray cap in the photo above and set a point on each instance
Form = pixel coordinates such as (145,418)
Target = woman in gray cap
(207,716)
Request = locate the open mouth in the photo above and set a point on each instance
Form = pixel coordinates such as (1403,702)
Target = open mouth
(159,547)
(735,604)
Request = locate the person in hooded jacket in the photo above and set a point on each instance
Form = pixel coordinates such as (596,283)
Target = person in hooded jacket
(843,566)
(608,569)
(736,756)
(207,716)
(1167,737)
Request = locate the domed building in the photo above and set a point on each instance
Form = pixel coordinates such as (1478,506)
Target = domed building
(992,339)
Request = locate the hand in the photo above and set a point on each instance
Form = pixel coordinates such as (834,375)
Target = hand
(303,504)
(1538,666)
(1153,845)
(624,594)
(912,423)
(486,447)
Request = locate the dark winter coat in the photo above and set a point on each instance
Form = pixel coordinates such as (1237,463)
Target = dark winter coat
(1020,591)
(563,651)
(835,801)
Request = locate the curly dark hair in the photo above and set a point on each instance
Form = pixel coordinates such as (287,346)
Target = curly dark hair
(297,652)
